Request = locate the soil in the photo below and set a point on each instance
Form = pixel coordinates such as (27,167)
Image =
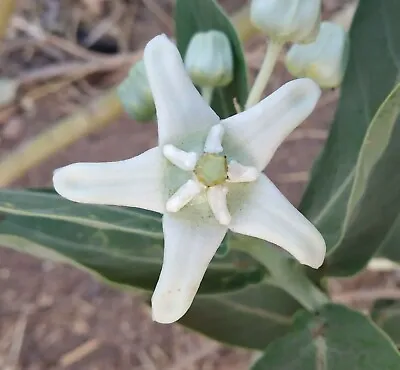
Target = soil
(56,317)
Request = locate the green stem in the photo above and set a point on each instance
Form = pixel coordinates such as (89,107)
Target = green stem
(285,274)
(97,114)
(207,93)
(271,57)
(7,8)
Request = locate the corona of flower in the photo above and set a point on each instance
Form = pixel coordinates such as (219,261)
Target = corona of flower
(204,177)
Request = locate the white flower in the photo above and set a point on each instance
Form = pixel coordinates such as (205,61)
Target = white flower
(324,60)
(205,177)
(209,59)
(287,20)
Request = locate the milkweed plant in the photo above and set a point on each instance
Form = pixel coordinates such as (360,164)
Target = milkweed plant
(196,225)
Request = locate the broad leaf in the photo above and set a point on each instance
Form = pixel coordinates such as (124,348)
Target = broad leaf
(343,196)
(127,259)
(251,318)
(375,215)
(336,339)
(391,245)
(204,15)
(386,314)
(45,203)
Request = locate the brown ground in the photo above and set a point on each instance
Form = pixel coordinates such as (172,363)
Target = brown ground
(56,317)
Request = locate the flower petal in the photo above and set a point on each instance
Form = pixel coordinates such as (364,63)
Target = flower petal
(135,182)
(268,215)
(261,129)
(190,244)
(181,110)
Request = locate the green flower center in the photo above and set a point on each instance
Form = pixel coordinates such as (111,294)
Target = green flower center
(211,169)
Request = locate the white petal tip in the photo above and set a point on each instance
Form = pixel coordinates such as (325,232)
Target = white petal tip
(316,259)
(306,86)
(168,307)
(225,220)
(64,181)
(159,39)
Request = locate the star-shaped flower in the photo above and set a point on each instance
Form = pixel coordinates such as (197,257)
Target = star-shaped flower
(204,177)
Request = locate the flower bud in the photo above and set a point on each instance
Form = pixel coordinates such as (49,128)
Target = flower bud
(324,60)
(209,59)
(287,20)
(135,94)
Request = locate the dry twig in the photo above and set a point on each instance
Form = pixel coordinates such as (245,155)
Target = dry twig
(79,353)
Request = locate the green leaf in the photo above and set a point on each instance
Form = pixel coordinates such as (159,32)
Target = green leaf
(390,246)
(52,206)
(336,339)
(251,317)
(286,273)
(204,15)
(45,203)
(386,314)
(344,195)
(127,259)
(374,213)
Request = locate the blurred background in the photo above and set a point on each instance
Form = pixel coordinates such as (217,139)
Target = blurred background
(62,54)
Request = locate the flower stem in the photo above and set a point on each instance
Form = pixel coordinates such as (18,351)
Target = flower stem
(207,93)
(6,10)
(284,273)
(98,114)
(271,57)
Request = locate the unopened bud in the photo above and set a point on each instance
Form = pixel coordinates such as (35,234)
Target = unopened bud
(209,59)
(135,94)
(287,20)
(324,60)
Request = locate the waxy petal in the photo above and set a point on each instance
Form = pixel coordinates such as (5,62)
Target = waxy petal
(266,214)
(261,129)
(190,244)
(181,110)
(135,182)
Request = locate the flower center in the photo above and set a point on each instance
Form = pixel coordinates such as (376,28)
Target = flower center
(211,169)
(211,174)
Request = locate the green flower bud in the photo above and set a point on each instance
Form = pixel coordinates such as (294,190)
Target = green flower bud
(209,59)
(287,20)
(135,94)
(324,60)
